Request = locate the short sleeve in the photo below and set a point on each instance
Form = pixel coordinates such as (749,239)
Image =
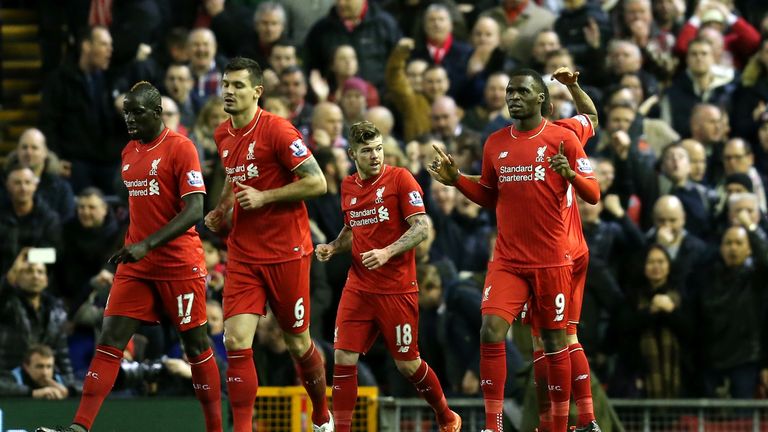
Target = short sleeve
(579,125)
(289,145)
(576,157)
(187,169)
(409,195)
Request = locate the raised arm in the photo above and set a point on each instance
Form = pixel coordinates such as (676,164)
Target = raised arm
(185,219)
(444,170)
(584,104)
(416,233)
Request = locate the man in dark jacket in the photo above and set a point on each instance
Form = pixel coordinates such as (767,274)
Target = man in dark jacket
(371,31)
(30,315)
(77,114)
(35,377)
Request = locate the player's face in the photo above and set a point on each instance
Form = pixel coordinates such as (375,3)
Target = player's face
(40,369)
(734,248)
(368,157)
(141,121)
(523,99)
(238,92)
(91,211)
(656,267)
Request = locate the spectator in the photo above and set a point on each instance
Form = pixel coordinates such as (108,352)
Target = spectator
(77,117)
(493,107)
(669,15)
(353,102)
(87,242)
(706,125)
(463,142)
(227,20)
(741,38)
(696,84)
(282,56)
(206,65)
(578,20)
(293,86)
(371,31)
(520,20)
(343,67)
(544,43)
(269,26)
(384,121)
(750,98)
(172,118)
(686,250)
(411,14)
(738,158)
(656,44)
(36,377)
(327,126)
(727,308)
(486,59)
(178,85)
(441,48)
(27,221)
(302,15)
(653,325)
(211,115)
(32,152)
(31,315)
(697,156)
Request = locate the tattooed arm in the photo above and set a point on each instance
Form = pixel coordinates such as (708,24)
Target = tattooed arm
(343,243)
(418,231)
(311,184)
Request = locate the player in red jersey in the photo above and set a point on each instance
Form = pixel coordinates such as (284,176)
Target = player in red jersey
(532,254)
(161,267)
(384,219)
(583,126)
(269,173)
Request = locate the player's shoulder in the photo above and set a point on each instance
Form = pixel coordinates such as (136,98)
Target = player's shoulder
(348,182)
(558,131)
(497,136)
(222,131)
(273,123)
(176,142)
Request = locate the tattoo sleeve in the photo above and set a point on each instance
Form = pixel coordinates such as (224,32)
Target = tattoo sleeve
(311,184)
(418,231)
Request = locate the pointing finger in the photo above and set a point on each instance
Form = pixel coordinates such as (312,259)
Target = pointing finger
(441,152)
(562,148)
(242,186)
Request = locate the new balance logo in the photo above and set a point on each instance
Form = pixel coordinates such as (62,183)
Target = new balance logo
(581,377)
(186,320)
(403,349)
(298,323)
(225,153)
(503,154)
(558,318)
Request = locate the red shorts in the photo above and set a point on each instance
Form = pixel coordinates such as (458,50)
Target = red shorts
(145,300)
(548,288)
(248,287)
(362,316)
(578,280)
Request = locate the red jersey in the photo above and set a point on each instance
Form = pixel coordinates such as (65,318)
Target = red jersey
(531,197)
(263,155)
(582,127)
(376,210)
(157,176)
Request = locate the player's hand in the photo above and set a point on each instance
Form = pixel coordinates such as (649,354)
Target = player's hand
(565,76)
(250,198)
(324,252)
(214,219)
(375,258)
(130,253)
(559,164)
(443,168)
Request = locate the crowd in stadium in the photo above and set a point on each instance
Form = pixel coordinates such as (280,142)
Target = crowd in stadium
(675,301)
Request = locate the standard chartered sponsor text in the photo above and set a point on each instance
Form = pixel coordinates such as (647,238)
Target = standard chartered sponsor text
(513,173)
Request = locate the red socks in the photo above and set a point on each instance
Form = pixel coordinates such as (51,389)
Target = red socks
(207,384)
(542,392)
(559,375)
(242,383)
(428,386)
(582,384)
(493,375)
(312,373)
(344,396)
(98,383)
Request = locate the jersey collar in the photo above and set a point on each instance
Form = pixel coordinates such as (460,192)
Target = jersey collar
(372,180)
(531,134)
(139,147)
(247,128)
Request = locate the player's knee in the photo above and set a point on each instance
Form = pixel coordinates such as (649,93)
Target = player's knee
(234,340)
(493,329)
(554,340)
(346,358)
(408,367)
(297,344)
(195,341)
(572,338)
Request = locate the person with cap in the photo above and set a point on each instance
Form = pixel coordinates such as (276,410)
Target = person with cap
(354,100)
(741,38)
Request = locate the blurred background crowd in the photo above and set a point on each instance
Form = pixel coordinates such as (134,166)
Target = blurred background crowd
(675,303)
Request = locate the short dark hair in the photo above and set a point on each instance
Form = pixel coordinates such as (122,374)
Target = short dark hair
(292,70)
(177,37)
(148,93)
(252,66)
(539,82)
(91,191)
(363,132)
(41,349)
